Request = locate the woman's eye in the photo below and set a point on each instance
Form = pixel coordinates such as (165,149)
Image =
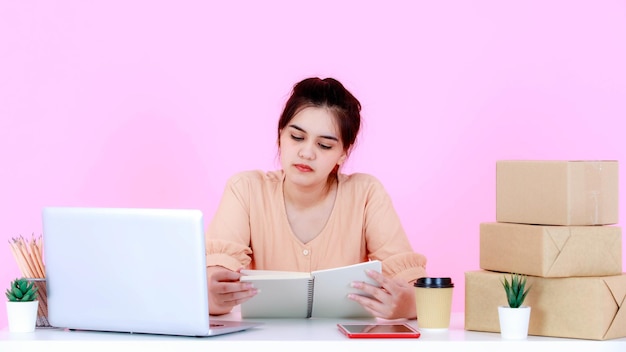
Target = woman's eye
(296,138)
(324,146)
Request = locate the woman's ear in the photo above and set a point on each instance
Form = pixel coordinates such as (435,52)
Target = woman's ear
(342,158)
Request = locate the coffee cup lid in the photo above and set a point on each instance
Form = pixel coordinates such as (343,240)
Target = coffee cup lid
(434,282)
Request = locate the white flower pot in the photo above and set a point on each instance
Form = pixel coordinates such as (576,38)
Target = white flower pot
(514,322)
(22,316)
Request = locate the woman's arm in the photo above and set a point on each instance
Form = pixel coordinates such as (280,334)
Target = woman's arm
(387,241)
(228,249)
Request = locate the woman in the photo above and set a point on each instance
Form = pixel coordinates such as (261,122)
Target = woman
(308,216)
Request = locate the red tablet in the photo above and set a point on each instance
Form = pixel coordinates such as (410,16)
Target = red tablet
(378,330)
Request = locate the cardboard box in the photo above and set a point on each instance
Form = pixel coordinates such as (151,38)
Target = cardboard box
(576,307)
(551,251)
(557,192)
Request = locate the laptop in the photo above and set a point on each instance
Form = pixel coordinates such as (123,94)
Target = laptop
(129,270)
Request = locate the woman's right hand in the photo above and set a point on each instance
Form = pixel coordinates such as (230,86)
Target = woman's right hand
(225,290)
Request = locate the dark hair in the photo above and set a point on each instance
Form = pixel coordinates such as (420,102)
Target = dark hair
(328,93)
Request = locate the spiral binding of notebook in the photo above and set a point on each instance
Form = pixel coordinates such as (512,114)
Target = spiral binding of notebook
(309,310)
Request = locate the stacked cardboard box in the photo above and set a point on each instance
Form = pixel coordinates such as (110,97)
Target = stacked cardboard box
(553,223)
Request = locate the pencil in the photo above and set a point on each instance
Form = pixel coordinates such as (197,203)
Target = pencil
(34,253)
(24,253)
(19,257)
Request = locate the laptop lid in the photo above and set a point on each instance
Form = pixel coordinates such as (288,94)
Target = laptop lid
(128,270)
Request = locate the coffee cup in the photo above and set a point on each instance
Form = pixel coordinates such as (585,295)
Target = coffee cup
(433,302)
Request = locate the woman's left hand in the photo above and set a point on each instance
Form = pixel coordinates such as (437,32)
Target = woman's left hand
(395,299)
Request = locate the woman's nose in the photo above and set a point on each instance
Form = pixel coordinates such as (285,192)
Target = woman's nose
(306,152)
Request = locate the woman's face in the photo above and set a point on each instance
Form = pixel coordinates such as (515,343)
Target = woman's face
(310,147)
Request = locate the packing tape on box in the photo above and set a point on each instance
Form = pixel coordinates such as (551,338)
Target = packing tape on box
(593,183)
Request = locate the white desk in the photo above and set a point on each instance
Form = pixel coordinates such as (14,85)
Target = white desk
(319,335)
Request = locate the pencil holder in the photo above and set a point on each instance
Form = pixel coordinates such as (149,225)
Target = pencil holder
(42,297)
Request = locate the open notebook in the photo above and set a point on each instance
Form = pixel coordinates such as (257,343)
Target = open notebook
(129,270)
(322,293)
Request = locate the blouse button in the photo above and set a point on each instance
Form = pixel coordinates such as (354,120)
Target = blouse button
(305,252)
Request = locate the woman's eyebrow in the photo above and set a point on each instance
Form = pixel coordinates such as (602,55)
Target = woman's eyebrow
(297,128)
(333,138)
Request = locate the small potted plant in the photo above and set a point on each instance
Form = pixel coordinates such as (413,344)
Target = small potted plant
(22,306)
(515,317)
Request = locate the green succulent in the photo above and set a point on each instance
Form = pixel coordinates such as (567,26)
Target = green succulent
(21,290)
(516,290)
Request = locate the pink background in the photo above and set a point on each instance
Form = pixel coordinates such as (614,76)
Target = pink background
(156,103)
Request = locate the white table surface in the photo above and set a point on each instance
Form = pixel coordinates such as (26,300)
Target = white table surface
(319,335)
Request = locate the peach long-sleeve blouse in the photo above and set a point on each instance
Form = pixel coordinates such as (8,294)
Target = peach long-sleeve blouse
(251,229)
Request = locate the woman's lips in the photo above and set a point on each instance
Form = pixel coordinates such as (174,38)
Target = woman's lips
(303,168)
